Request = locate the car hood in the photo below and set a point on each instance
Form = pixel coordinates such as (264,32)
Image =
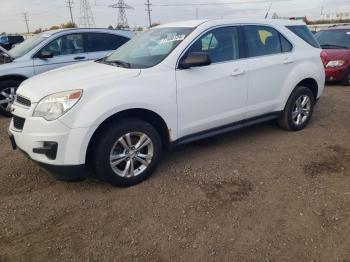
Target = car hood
(336,54)
(81,76)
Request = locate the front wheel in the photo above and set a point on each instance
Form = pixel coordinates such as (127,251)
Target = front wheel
(8,90)
(127,152)
(299,110)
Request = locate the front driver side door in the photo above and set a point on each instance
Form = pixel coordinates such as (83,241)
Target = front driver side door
(66,50)
(215,95)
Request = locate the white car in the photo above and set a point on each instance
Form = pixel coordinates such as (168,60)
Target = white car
(170,85)
(51,50)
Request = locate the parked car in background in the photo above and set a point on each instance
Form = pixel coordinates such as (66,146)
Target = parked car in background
(170,85)
(336,58)
(51,50)
(9,41)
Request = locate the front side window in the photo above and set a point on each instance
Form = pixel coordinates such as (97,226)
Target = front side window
(262,40)
(221,44)
(334,39)
(104,42)
(66,45)
(149,48)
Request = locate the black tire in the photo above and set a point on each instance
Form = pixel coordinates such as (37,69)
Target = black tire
(346,80)
(4,88)
(107,140)
(286,120)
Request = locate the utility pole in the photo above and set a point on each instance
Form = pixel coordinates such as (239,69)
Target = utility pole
(122,19)
(149,10)
(86,16)
(70,6)
(25,17)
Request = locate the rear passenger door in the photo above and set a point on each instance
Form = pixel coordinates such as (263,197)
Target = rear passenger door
(102,44)
(270,61)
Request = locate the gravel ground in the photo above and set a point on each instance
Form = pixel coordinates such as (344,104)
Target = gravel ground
(253,195)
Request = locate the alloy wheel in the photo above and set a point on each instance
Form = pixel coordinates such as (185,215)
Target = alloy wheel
(301,110)
(131,154)
(7,97)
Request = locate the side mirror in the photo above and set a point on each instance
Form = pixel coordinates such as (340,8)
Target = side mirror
(195,59)
(45,55)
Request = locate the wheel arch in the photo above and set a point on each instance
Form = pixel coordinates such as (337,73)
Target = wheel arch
(310,83)
(144,114)
(20,78)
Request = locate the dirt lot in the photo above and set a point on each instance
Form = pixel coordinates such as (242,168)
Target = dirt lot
(259,194)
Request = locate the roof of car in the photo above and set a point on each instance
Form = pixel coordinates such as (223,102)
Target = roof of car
(112,31)
(196,23)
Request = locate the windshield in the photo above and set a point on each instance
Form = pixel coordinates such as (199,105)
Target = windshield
(149,48)
(27,45)
(334,39)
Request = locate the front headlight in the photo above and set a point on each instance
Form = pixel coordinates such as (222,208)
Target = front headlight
(56,105)
(336,63)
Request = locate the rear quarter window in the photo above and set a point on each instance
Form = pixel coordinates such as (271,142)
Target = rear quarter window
(304,33)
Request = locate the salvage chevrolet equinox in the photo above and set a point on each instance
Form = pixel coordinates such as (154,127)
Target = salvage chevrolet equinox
(170,85)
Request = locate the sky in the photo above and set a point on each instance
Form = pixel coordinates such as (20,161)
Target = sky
(45,13)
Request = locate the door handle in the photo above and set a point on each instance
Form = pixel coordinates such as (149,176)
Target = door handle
(79,58)
(288,61)
(238,72)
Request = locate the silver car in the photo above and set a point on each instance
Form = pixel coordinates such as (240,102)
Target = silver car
(51,50)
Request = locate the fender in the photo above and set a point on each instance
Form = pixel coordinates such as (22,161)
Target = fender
(295,77)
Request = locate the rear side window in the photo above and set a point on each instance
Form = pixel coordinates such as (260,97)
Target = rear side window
(104,42)
(263,40)
(304,33)
(285,44)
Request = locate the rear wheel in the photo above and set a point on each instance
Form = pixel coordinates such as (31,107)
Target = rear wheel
(8,90)
(127,152)
(346,80)
(299,110)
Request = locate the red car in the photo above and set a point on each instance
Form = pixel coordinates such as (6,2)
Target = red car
(335,42)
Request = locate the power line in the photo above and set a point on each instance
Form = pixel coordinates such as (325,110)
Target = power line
(216,4)
(25,17)
(70,6)
(149,10)
(86,16)
(122,19)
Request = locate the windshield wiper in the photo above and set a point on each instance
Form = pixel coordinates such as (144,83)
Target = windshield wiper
(328,46)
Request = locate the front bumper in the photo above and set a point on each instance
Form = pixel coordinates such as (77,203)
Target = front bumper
(64,173)
(49,142)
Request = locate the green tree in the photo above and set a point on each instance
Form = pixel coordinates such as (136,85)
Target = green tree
(68,25)
(38,31)
(54,27)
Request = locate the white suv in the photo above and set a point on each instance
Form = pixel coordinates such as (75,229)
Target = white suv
(51,50)
(171,85)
